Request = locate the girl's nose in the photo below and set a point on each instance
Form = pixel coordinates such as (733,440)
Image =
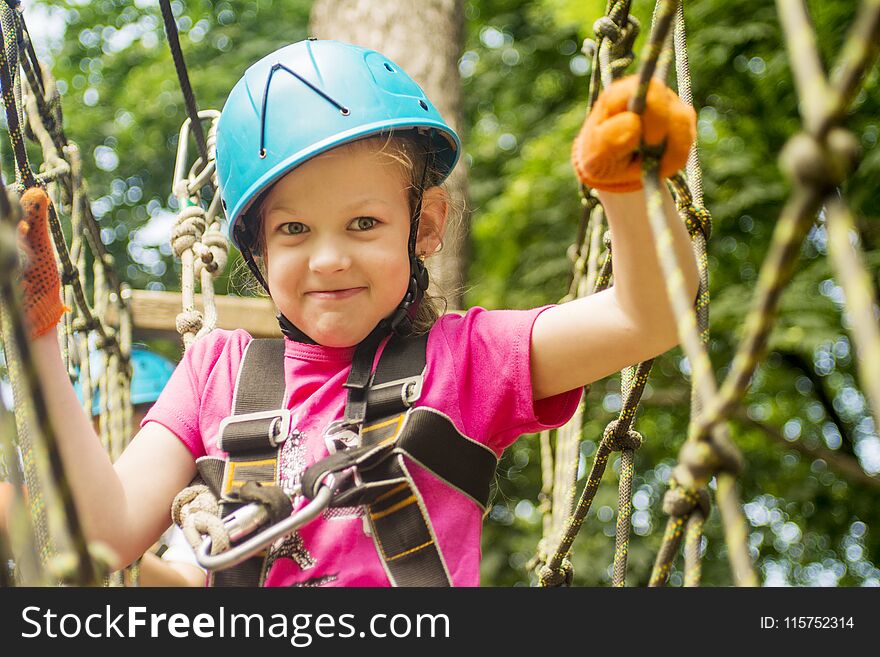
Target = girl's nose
(329,256)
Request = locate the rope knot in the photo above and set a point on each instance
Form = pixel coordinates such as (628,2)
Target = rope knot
(213,252)
(606,28)
(699,460)
(69,274)
(588,48)
(189,321)
(188,230)
(193,498)
(680,500)
(821,165)
(196,512)
(697,219)
(561,576)
(204,258)
(618,440)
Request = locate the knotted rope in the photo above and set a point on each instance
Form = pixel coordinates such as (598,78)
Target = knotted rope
(196,511)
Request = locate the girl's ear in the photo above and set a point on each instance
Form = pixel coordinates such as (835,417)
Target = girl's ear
(435,207)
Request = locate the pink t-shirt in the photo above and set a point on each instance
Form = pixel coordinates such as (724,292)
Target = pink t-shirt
(477,374)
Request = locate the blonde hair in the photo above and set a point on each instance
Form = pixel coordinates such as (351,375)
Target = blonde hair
(406,150)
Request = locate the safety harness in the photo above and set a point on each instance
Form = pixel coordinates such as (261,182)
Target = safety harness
(392,432)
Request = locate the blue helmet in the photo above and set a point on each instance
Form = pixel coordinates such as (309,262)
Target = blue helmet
(307,98)
(150,373)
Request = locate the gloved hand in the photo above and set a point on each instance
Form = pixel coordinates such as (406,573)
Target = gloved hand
(605,154)
(40,283)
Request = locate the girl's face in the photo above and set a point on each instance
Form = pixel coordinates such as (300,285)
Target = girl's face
(336,231)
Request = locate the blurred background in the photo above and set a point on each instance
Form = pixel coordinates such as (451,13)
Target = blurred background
(810,487)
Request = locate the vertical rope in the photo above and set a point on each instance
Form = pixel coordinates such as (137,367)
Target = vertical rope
(183,77)
(849,266)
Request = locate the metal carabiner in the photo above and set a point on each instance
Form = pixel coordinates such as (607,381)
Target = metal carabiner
(239,553)
(181,183)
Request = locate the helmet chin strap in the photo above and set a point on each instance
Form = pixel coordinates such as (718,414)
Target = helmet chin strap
(401,320)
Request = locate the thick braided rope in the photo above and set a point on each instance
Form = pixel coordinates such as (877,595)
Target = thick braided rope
(849,265)
(187,231)
(693,538)
(633,380)
(69,191)
(610,26)
(616,33)
(196,511)
(9,80)
(31,409)
(10,315)
(818,160)
(718,442)
(683,79)
(688,198)
(197,239)
(689,333)
(678,504)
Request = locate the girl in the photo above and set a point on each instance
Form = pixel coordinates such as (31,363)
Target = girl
(331,162)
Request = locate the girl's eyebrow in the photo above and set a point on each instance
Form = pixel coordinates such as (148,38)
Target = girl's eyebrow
(354,203)
(363,200)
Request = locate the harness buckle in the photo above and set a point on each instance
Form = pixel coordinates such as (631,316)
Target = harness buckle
(277,433)
(410,388)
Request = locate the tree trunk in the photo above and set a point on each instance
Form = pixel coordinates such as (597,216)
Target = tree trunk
(426,38)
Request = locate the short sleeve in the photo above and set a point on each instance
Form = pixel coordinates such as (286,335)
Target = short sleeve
(486,357)
(180,406)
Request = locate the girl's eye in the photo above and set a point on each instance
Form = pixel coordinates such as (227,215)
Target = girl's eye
(294,228)
(364,223)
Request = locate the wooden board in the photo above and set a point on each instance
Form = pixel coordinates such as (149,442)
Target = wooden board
(154,314)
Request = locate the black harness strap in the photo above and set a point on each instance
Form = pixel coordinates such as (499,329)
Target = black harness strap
(259,424)
(423,435)
(399,519)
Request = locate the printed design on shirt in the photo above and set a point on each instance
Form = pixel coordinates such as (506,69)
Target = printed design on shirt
(292,461)
(290,547)
(316,581)
(338,436)
(291,464)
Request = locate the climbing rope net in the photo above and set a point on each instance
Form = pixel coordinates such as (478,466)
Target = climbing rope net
(818,160)
(48,544)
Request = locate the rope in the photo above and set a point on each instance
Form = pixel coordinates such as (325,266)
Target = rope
(818,162)
(36,98)
(849,266)
(24,175)
(196,511)
(40,448)
(183,77)
(715,453)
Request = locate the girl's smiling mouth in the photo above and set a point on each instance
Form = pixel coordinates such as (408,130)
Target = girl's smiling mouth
(335,295)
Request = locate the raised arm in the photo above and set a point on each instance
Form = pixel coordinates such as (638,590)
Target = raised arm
(586,339)
(127,505)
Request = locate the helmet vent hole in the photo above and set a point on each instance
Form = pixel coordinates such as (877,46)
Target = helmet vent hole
(388,66)
(423,105)
(262,153)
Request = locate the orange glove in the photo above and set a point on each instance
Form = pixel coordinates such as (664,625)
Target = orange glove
(605,154)
(40,283)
